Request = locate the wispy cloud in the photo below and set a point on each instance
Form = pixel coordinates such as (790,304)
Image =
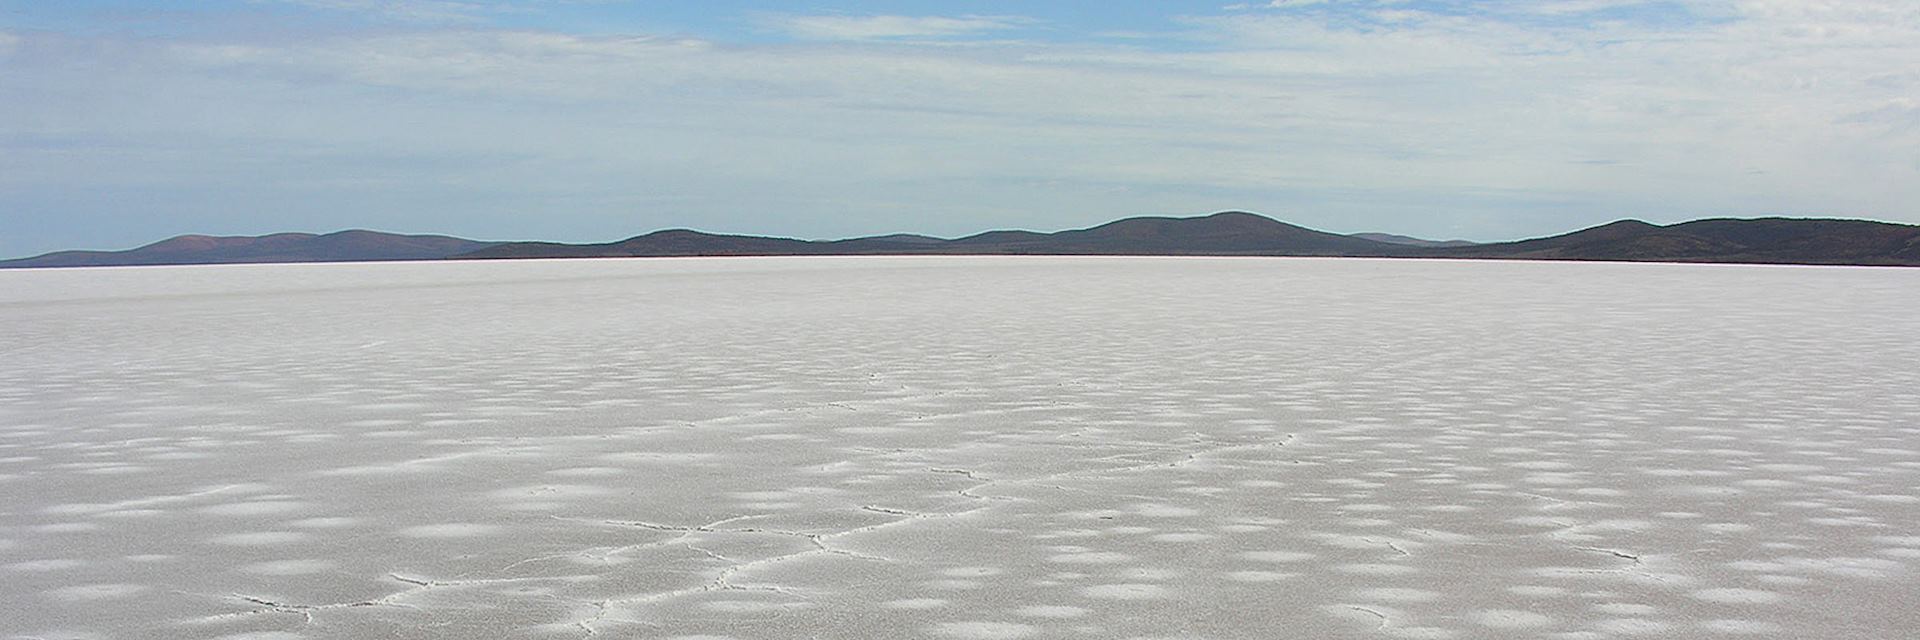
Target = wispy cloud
(1299,4)
(412,11)
(1900,114)
(879,27)
(408,10)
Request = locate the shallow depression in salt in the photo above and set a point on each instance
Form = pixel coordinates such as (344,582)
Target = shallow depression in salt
(960,448)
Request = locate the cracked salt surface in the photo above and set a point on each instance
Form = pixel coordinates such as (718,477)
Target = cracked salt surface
(960,448)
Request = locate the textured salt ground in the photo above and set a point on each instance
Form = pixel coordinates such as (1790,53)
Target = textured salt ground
(960,447)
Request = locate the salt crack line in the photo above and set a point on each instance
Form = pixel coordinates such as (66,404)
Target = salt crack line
(430,583)
(1612,552)
(915,515)
(970,492)
(1389,544)
(1185,459)
(305,611)
(1384,620)
(723,580)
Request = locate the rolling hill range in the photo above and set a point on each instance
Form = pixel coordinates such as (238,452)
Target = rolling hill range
(1220,234)
(1817,241)
(1755,240)
(344,246)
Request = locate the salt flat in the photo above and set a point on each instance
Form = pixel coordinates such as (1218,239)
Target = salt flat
(960,447)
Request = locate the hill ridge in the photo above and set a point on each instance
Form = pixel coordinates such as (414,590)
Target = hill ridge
(1763,240)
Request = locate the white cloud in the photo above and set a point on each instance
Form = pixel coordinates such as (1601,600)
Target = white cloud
(842,27)
(1572,7)
(462,12)
(421,11)
(1295,4)
(1898,113)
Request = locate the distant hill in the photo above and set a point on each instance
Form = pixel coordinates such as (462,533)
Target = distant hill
(1229,233)
(669,243)
(1390,238)
(1220,234)
(1233,233)
(1753,240)
(343,246)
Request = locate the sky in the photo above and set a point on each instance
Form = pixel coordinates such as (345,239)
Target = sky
(124,122)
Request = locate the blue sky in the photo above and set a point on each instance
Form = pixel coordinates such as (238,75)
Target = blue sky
(124,122)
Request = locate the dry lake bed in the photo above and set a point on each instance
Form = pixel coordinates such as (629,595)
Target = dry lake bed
(973,448)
